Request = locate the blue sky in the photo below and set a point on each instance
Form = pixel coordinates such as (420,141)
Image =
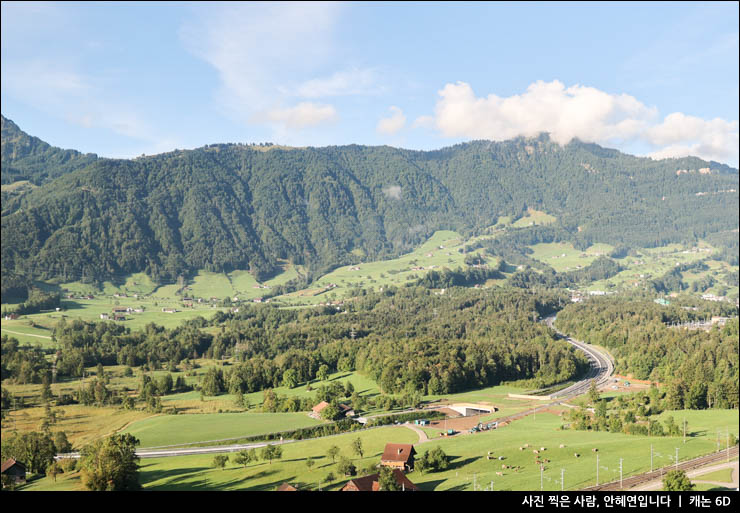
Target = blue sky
(122,79)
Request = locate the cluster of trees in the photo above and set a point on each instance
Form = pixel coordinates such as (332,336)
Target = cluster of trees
(409,340)
(700,367)
(226,207)
(600,269)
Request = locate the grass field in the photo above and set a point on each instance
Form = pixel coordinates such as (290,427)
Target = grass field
(196,472)
(469,453)
(723,476)
(166,430)
(533,217)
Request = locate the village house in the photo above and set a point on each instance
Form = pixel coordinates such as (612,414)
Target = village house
(371,483)
(11,316)
(104,316)
(15,470)
(316,410)
(400,456)
(285,487)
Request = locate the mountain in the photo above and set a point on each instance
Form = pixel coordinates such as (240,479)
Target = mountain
(26,158)
(233,206)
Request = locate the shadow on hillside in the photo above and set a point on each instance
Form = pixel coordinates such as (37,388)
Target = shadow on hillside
(455,464)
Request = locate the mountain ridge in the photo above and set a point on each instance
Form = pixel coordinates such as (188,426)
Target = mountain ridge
(231,206)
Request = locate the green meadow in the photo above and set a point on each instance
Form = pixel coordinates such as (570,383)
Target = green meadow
(165,430)
(469,453)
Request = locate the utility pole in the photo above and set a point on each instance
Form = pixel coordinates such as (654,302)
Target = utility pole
(620,473)
(541,467)
(651,457)
(684,430)
(597,469)
(676,465)
(562,479)
(728,445)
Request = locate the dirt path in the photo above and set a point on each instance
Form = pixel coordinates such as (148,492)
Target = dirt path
(25,334)
(422,435)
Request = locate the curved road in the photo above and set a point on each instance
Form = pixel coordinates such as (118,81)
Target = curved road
(601,370)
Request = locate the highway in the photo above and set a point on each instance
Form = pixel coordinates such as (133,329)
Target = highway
(601,370)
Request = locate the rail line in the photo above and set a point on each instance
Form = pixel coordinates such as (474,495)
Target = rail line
(631,482)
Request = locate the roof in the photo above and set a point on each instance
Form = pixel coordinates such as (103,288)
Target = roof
(319,407)
(372,484)
(285,487)
(397,452)
(10,463)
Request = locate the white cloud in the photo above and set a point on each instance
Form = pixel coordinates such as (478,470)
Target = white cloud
(303,115)
(580,112)
(256,46)
(341,83)
(565,113)
(393,123)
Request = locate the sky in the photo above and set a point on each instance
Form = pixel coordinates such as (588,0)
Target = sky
(122,79)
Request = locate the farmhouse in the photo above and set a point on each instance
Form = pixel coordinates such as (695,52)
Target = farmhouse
(399,456)
(285,487)
(11,316)
(15,470)
(316,410)
(371,483)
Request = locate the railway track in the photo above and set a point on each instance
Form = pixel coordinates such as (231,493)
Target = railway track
(647,477)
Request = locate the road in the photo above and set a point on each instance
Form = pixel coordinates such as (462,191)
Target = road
(601,370)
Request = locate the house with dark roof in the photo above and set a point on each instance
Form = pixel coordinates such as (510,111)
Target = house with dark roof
(400,456)
(15,470)
(371,483)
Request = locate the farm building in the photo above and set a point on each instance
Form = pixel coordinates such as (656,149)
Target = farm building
(468,409)
(371,483)
(15,470)
(400,456)
(285,487)
(316,410)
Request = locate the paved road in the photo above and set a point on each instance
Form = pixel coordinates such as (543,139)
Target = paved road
(601,370)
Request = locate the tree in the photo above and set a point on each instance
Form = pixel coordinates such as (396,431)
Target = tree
(387,480)
(243,458)
(310,462)
(52,470)
(272,452)
(333,452)
(323,372)
(35,450)
(677,481)
(290,378)
(220,460)
(111,464)
(61,443)
(357,446)
(593,392)
(346,467)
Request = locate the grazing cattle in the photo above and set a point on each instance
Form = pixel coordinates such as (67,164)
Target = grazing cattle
(535,451)
(543,448)
(501,458)
(499,473)
(594,450)
(562,446)
(577,455)
(521,448)
(503,466)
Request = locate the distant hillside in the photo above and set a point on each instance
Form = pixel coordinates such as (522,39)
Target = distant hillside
(29,158)
(229,206)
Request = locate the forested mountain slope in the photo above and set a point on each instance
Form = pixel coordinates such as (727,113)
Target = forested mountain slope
(233,206)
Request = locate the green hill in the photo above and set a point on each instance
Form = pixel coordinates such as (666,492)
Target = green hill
(230,207)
